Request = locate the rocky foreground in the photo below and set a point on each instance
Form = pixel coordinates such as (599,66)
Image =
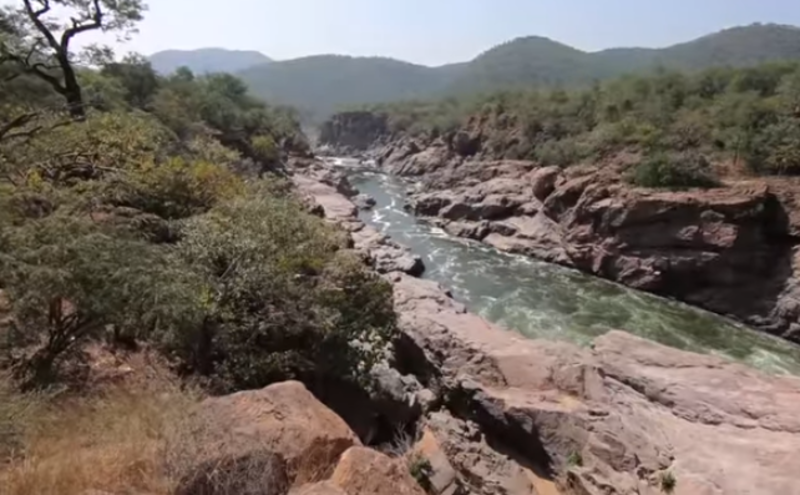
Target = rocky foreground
(734,250)
(487,411)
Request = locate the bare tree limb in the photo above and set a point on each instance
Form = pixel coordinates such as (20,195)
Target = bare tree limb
(78,25)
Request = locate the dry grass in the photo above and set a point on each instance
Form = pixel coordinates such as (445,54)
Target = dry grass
(129,437)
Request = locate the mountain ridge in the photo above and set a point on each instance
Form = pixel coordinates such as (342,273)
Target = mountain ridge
(321,84)
(203,60)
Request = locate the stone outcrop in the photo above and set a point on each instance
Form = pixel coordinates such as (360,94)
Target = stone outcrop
(282,429)
(349,133)
(501,414)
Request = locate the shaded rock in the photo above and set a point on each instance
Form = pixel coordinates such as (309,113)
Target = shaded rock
(464,144)
(350,132)
(284,419)
(364,471)
(364,201)
(389,259)
(543,181)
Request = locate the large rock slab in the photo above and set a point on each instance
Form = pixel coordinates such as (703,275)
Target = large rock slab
(284,419)
(630,410)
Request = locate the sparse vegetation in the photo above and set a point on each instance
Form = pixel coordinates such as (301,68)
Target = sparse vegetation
(668,482)
(575,459)
(421,470)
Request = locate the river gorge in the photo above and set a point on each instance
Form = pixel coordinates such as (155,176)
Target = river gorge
(543,300)
(515,378)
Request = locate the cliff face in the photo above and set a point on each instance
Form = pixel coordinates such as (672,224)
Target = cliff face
(734,250)
(352,132)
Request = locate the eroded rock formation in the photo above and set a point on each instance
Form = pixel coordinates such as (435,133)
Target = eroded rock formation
(500,414)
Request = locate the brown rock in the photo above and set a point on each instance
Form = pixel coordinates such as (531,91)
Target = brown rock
(283,419)
(363,471)
(543,181)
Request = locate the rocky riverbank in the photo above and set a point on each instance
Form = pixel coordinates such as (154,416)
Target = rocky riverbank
(492,412)
(734,250)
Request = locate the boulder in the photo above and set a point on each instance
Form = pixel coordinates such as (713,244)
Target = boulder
(364,201)
(283,419)
(363,471)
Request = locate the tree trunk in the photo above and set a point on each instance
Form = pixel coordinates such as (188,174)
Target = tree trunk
(72,89)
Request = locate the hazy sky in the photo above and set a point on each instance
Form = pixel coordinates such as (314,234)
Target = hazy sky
(439,31)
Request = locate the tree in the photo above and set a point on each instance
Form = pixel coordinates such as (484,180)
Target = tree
(41,45)
(69,279)
(137,77)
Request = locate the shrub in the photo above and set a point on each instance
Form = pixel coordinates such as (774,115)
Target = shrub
(776,150)
(176,188)
(106,142)
(421,470)
(676,171)
(265,149)
(280,301)
(68,280)
(668,482)
(575,459)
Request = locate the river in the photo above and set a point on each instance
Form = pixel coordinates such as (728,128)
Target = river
(542,300)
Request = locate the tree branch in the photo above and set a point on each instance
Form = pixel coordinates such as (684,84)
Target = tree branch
(35,17)
(78,26)
(16,123)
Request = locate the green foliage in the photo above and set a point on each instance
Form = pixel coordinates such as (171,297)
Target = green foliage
(69,280)
(421,470)
(321,85)
(575,459)
(674,171)
(176,188)
(265,148)
(134,224)
(750,116)
(280,300)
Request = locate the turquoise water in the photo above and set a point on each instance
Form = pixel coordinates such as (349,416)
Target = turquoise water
(542,300)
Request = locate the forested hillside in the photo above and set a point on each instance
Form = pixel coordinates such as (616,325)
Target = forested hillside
(322,83)
(142,211)
(679,121)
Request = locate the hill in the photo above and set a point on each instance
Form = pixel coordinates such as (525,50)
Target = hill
(206,60)
(320,84)
(323,83)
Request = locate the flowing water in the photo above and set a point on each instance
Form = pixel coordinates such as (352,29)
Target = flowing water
(542,300)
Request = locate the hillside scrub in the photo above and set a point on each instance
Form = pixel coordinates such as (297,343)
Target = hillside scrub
(154,212)
(748,115)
